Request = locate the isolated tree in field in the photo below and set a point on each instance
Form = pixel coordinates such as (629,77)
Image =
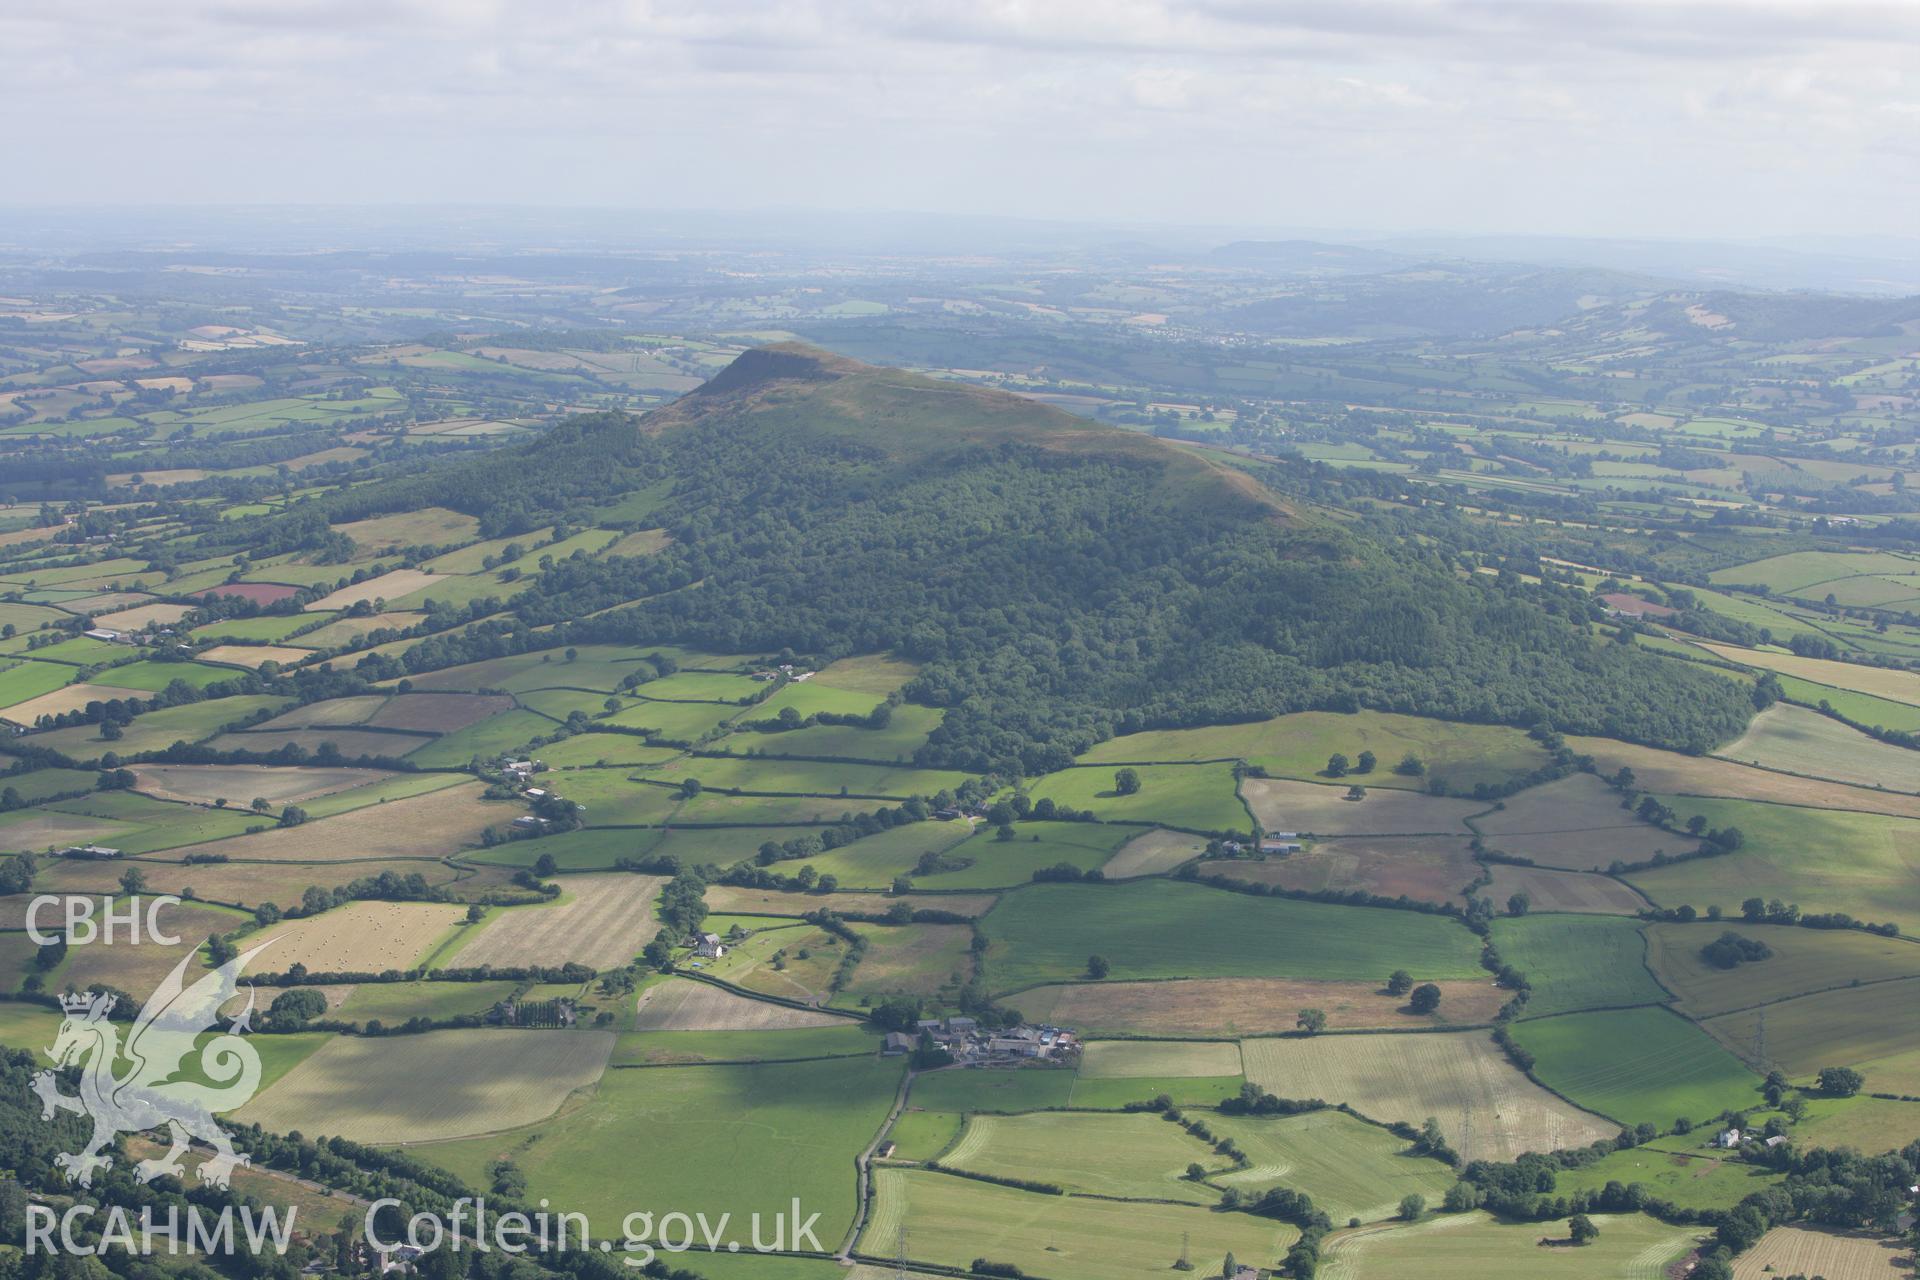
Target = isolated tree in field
(476,913)
(1410,766)
(1366,762)
(1580,1229)
(1196,1172)
(1517,904)
(544,865)
(1311,1021)
(292,816)
(1127,781)
(1426,998)
(1229,1267)
(1097,967)
(1399,982)
(1411,1207)
(689,788)
(1841,1082)
(1795,1107)
(1356,793)
(260,804)
(1336,765)
(133,881)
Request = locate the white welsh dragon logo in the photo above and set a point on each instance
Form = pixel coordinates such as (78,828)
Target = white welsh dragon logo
(151,1093)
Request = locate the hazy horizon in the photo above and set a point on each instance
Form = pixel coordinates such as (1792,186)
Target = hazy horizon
(1691,120)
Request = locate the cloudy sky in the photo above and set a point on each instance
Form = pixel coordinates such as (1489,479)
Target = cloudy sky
(1594,117)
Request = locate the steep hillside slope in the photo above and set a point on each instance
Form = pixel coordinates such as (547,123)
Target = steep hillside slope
(1060,580)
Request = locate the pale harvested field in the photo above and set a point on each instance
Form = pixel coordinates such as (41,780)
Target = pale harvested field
(248,884)
(1898,686)
(1550,890)
(50,828)
(730,900)
(1152,853)
(388,586)
(350,742)
(1427,868)
(602,921)
(1795,1251)
(334,713)
(425,826)
(1485,1106)
(1144,1059)
(1797,740)
(680,1004)
(421,1088)
(1246,1006)
(253,656)
(914,959)
(438,712)
(73,697)
(361,937)
(1577,824)
(1309,807)
(343,629)
(1670,773)
(424,527)
(240,784)
(140,615)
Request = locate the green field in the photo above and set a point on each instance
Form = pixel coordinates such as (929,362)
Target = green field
(993,1089)
(905,732)
(738,1139)
(1803,960)
(1134,1155)
(1196,797)
(1868,1028)
(1861,708)
(872,863)
(1352,1169)
(1578,961)
(1637,1065)
(20,681)
(1171,929)
(1003,863)
(1476,1247)
(1298,746)
(952,1221)
(1795,740)
(1681,1170)
(1822,859)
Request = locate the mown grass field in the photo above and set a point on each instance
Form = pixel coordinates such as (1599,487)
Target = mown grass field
(1322,809)
(1550,890)
(1135,1059)
(1473,1246)
(600,921)
(1821,859)
(1154,853)
(441,1084)
(1576,824)
(1836,1255)
(1298,746)
(1004,1090)
(952,1221)
(1210,1007)
(1871,1029)
(1351,1169)
(1638,1065)
(1578,961)
(1879,682)
(1428,868)
(1132,1155)
(844,1039)
(1485,1106)
(1197,797)
(1861,708)
(360,937)
(1803,960)
(1668,773)
(1796,740)
(873,862)
(1145,929)
(728,1139)
(678,1004)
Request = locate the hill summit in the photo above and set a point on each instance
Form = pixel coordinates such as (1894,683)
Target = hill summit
(1058,580)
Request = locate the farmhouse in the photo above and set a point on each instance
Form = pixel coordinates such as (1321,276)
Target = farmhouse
(1621,604)
(1728,1139)
(89,851)
(708,946)
(528,822)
